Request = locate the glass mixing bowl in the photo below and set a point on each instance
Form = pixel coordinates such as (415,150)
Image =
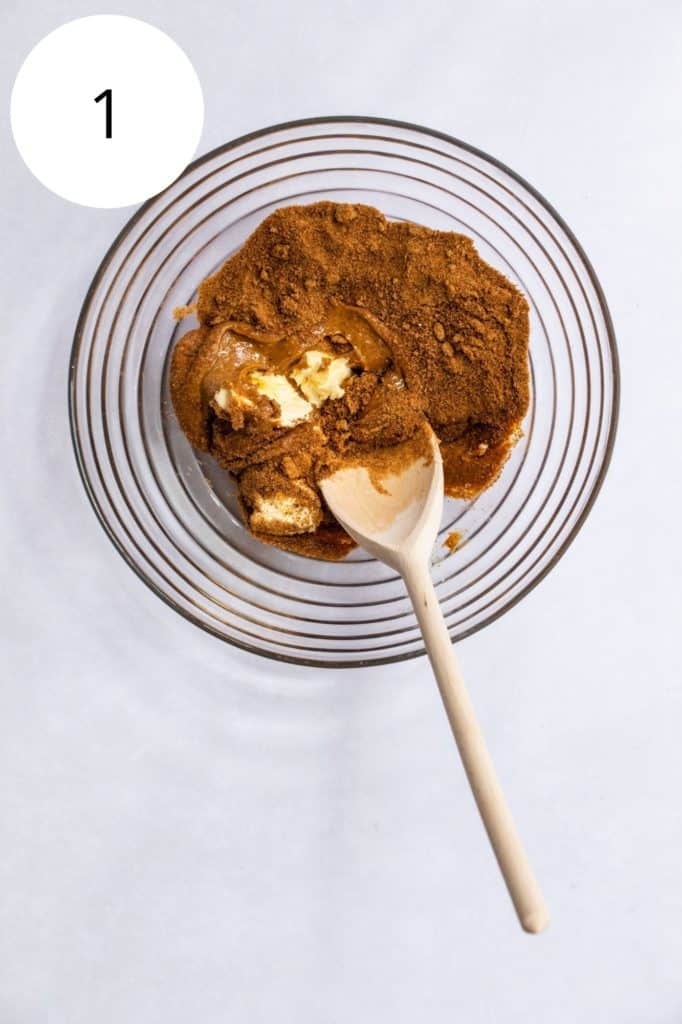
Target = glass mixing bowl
(173,514)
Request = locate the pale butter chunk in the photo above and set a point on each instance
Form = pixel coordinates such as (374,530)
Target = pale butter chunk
(320,377)
(283,514)
(293,408)
(226,397)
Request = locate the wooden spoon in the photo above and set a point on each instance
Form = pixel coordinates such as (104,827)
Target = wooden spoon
(399,527)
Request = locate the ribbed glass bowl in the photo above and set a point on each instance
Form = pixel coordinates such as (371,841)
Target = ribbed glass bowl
(172,513)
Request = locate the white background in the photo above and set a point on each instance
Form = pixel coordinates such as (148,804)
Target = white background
(193,834)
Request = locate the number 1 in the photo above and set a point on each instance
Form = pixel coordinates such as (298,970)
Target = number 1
(106,95)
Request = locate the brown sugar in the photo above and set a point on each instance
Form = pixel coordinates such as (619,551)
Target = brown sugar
(453,540)
(336,334)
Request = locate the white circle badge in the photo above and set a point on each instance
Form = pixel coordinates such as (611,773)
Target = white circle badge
(107,111)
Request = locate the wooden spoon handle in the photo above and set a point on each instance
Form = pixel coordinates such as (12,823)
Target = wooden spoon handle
(504,838)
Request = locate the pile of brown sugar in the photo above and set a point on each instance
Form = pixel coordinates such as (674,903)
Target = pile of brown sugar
(419,327)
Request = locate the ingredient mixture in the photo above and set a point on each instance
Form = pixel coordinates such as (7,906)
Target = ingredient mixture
(335,334)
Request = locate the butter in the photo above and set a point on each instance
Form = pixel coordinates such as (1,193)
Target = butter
(222,398)
(292,407)
(225,397)
(283,515)
(320,377)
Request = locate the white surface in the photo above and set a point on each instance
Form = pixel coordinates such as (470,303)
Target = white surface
(190,833)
